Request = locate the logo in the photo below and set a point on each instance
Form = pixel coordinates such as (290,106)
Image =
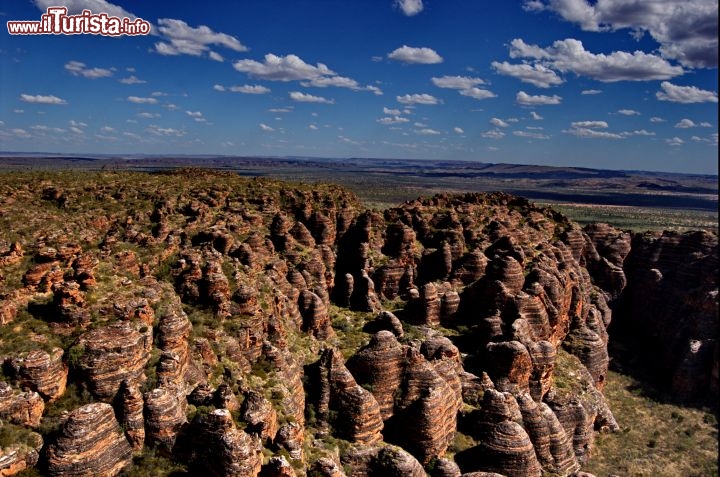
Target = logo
(56,21)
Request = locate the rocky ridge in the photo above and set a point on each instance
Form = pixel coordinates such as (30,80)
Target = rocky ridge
(222,319)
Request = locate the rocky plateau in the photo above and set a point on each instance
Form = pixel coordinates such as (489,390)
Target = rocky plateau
(226,326)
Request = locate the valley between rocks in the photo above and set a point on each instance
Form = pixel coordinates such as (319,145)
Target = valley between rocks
(242,327)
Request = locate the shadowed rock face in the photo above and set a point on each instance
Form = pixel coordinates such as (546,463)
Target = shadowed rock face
(217,320)
(90,444)
(666,276)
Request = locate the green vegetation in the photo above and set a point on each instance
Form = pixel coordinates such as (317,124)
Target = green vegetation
(151,464)
(656,439)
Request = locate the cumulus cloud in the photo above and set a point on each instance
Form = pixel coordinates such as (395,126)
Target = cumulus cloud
(570,55)
(309,98)
(76,68)
(685,94)
(41,99)
(530,135)
(465,85)
(687,30)
(458,130)
(394,112)
(132,79)
(182,39)
(266,128)
(688,123)
(656,119)
(422,98)
(410,55)
(456,82)
(499,123)
(215,56)
(244,89)
(393,120)
(535,116)
(590,124)
(282,68)
(139,100)
(676,141)
(409,7)
(628,112)
(592,133)
(493,134)
(427,132)
(160,131)
(478,93)
(537,74)
(590,91)
(529,100)
(639,132)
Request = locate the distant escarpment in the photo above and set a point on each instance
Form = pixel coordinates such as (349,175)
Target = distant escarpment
(663,288)
(198,321)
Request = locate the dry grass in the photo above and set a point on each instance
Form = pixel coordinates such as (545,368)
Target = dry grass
(656,439)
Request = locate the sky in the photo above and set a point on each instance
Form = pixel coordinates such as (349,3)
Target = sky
(611,84)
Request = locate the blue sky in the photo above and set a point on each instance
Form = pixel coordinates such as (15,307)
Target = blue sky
(614,84)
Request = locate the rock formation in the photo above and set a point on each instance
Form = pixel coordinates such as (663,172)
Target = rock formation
(90,443)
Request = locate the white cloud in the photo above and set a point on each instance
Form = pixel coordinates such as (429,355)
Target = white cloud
(530,135)
(688,123)
(409,7)
(313,127)
(676,141)
(215,56)
(77,68)
(417,99)
(132,79)
(493,134)
(21,133)
(499,123)
(686,30)
(160,131)
(537,74)
(478,93)
(640,132)
(43,128)
(393,120)
(569,55)
(40,99)
(186,40)
(266,128)
(283,110)
(392,112)
(194,114)
(282,68)
(171,107)
(535,116)
(685,123)
(528,100)
(107,129)
(146,115)
(590,124)
(685,94)
(309,98)
(656,119)
(158,93)
(592,133)
(139,100)
(590,91)
(411,55)
(427,132)
(244,89)
(340,82)
(628,112)
(458,130)
(456,82)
